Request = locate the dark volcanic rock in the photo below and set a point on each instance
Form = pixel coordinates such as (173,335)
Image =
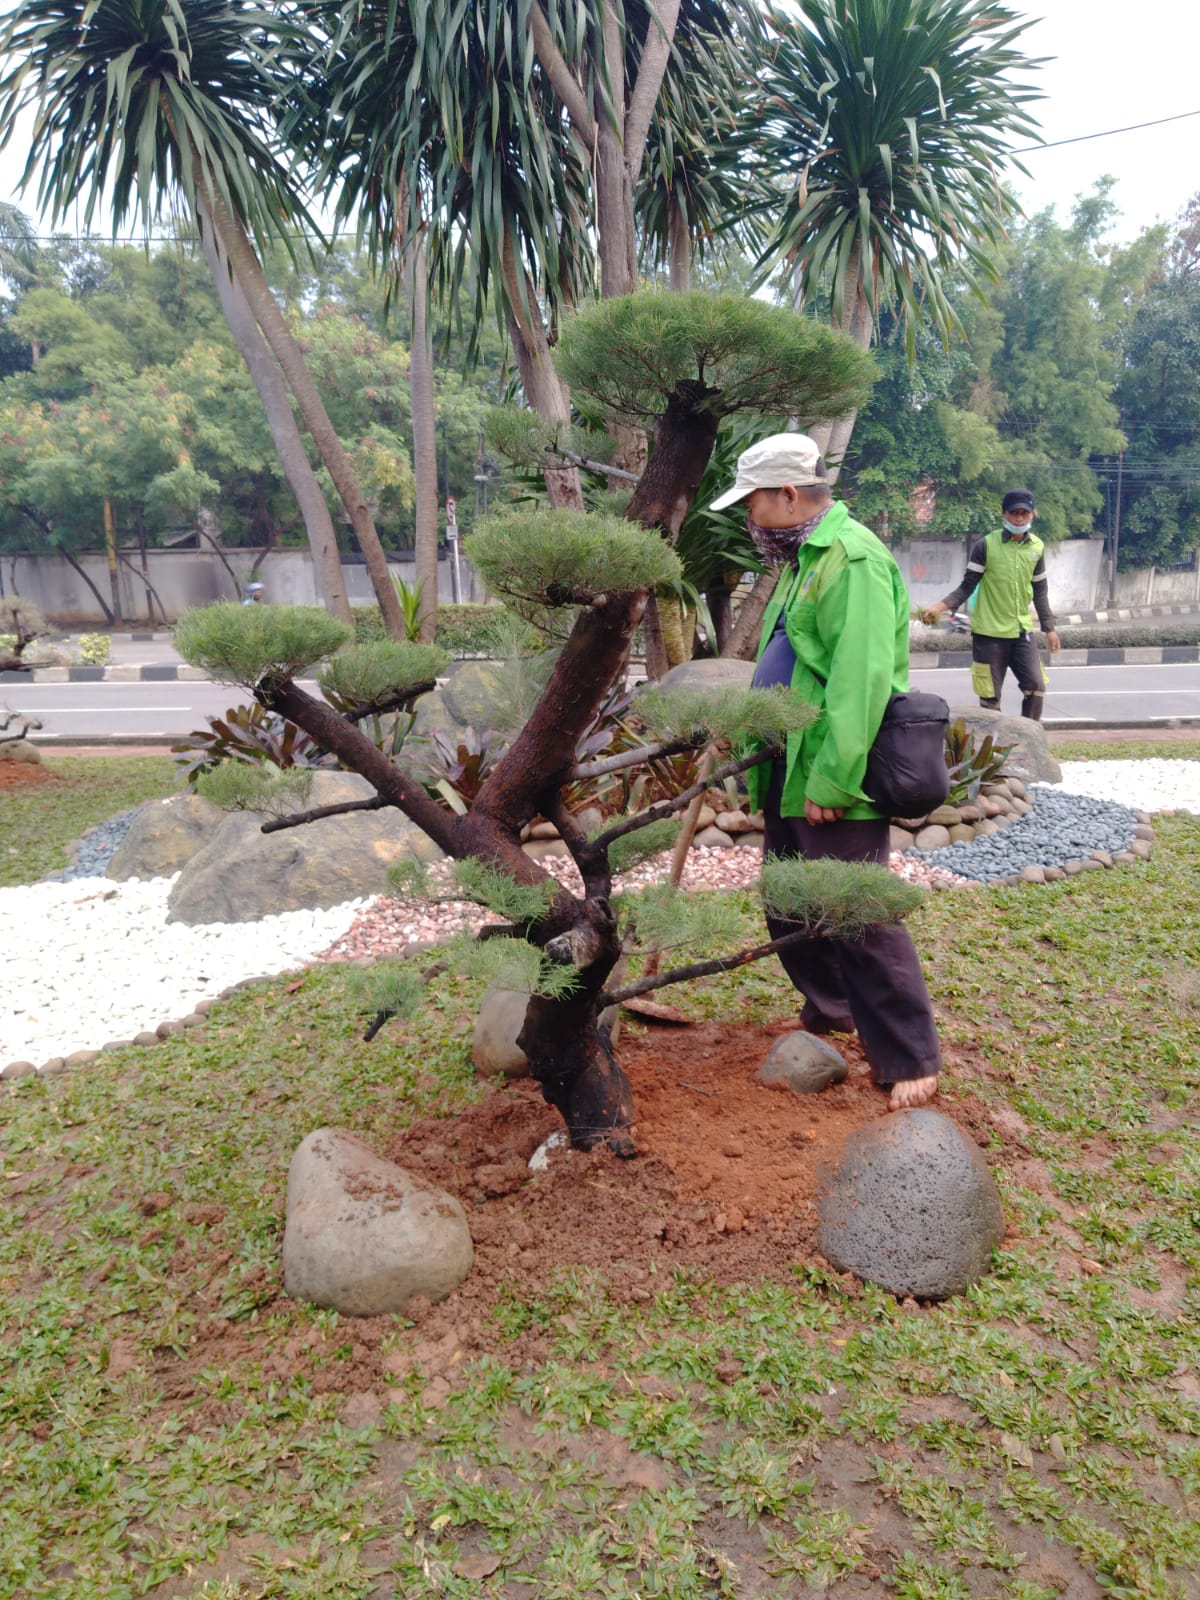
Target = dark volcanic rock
(910,1206)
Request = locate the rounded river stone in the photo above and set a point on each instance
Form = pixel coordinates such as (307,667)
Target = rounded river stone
(910,1206)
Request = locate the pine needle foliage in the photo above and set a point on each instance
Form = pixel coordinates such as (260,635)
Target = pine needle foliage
(409,880)
(559,558)
(382,669)
(489,886)
(527,440)
(632,848)
(627,357)
(834,899)
(511,964)
(737,716)
(241,786)
(662,917)
(390,986)
(245,644)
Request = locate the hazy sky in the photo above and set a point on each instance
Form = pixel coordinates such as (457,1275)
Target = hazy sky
(1115,63)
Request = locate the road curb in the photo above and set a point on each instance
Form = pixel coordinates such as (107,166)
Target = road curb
(1155,655)
(921,661)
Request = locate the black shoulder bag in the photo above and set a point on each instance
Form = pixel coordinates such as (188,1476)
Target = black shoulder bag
(906,772)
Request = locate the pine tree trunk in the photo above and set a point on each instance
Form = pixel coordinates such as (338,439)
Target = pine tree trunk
(299,380)
(281,420)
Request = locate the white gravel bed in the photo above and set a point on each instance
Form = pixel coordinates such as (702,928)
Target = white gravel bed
(94,960)
(1151,785)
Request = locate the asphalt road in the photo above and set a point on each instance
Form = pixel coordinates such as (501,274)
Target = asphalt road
(81,712)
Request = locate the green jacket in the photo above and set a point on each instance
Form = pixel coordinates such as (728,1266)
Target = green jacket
(846,614)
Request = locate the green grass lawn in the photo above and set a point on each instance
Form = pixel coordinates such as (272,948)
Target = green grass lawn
(171,1426)
(39,823)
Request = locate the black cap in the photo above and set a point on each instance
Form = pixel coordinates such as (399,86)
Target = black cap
(1018,500)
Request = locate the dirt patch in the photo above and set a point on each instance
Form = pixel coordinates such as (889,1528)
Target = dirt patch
(25,775)
(724,1186)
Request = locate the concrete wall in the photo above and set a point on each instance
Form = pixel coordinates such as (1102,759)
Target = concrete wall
(1074,570)
(186,578)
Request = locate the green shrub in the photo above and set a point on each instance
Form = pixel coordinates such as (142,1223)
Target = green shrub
(94,649)
(1087,636)
(463,630)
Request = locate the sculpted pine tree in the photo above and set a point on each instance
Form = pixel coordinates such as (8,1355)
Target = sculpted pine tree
(678,364)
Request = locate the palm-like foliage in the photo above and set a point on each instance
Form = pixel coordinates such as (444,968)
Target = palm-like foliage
(436,117)
(18,244)
(893,118)
(138,100)
(138,103)
(698,177)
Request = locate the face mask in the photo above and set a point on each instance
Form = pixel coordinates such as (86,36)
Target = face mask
(1017,529)
(777,545)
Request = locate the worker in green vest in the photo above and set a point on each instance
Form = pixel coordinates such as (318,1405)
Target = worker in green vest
(1006,572)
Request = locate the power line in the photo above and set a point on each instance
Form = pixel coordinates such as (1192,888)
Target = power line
(1105,133)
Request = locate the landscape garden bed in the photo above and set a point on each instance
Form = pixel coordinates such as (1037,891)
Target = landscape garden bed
(697,1411)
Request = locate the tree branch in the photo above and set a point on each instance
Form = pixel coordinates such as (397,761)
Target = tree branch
(592,863)
(356,751)
(656,52)
(702,969)
(562,79)
(664,808)
(299,818)
(632,758)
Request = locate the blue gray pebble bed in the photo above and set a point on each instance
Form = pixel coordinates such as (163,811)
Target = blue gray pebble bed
(1061,827)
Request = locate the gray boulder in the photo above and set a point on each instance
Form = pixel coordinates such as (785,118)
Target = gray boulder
(707,675)
(494,1047)
(365,1237)
(802,1063)
(1030,757)
(910,1206)
(164,836)
(242,874)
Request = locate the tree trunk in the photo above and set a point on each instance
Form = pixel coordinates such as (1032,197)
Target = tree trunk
(100,600)
(209,530)
(742,643)
(420,380)
(544,389)
(293,458)
(720,609)
(299,380)
(679,246)
(110,551)
(684,436)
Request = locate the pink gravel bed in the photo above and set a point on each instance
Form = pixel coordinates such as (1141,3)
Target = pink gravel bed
(389,923)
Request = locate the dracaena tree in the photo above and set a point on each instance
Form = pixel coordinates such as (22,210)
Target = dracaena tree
(887,124)
(676,363)
(139,105)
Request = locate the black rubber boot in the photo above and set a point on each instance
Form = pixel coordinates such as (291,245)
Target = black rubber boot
(1031,706)
(990,705)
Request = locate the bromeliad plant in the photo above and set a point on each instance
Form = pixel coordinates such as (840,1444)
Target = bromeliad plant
(971,762)
(681,373)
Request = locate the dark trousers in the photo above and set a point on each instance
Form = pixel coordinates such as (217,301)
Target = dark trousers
(1021,656)
(874,985)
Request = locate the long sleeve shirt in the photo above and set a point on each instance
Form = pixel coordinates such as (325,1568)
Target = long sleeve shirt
(1015,577)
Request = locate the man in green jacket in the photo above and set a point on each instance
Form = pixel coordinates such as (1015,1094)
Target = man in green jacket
(835,633)
(1006,572)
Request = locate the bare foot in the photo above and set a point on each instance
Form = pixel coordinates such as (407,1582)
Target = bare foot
(911,1092)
